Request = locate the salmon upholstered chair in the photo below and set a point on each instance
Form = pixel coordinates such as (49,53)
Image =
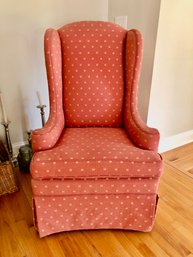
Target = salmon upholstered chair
(95,162)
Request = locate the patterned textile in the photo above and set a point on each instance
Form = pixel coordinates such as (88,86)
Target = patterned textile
(78,186)
(92,211)
(95,162)
(47,136)
(95,153)
(93,59)
(143,136)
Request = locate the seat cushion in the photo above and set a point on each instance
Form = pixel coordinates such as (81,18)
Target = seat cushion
(88,153)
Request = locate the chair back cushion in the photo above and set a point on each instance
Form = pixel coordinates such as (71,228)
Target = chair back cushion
(93,73)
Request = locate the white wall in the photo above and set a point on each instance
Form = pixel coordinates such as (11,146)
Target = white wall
(142,15)
(22,70)
(171,101)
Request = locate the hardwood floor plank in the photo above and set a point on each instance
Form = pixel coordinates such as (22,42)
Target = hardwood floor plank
(178,153)
(167,244)
(25,185)
(172,240)
(174,176)
(153,245)
(124,239)
(77,244)
(181,158)
(9,243)
(140,245)
(172,229)
(106,243)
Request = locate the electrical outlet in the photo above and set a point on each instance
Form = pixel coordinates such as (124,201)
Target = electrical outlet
(122,21)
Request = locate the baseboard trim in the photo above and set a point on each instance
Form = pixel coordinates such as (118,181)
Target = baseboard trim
(16,147)
(175,141)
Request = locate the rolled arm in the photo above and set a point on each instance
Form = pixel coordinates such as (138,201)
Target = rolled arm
(47,137)
(142,136)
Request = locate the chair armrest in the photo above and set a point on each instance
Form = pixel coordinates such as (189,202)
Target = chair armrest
(47,137)
(142,136)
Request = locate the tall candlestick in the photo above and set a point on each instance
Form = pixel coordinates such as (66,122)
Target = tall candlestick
(39,98)
(3,109)
(7,136)
(41,107)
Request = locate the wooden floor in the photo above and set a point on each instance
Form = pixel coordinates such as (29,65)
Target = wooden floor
(172,234)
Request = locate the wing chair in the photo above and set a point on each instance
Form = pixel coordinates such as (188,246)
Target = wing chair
(95,163)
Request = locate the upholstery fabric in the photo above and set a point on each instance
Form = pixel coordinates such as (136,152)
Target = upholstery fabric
(93,59)
(81,186)
(93,153)
(95,162)
(47,137)
(55,214)
(141,135)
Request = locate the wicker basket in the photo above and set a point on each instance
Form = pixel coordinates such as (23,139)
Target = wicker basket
(8,180)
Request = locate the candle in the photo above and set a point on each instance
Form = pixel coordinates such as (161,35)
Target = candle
(3,109)
(39,98)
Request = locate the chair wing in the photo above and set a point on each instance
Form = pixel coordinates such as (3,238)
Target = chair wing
(143,136)
(47,137)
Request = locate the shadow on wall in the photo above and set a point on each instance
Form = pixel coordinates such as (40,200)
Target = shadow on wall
(22,69)
(22,73)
